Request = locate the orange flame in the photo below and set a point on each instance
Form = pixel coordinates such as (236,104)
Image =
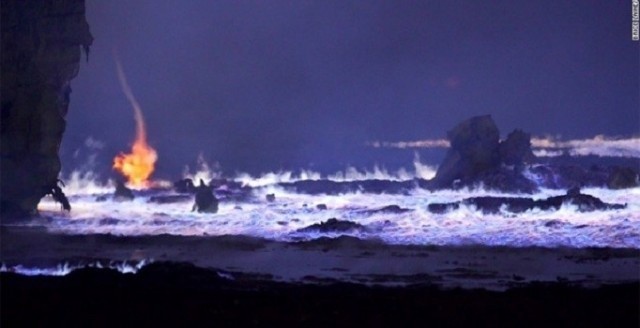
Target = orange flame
(140,163)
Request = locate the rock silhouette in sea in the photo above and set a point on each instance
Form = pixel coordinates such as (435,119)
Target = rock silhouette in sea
(516,150)
(122,193)
(492,205)
(184,186)
(476,156)
(205,201)
(58,195)
(334,225)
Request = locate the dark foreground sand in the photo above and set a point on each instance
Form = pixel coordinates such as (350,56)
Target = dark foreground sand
(234,279)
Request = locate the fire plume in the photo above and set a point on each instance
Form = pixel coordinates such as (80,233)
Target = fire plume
(138,165)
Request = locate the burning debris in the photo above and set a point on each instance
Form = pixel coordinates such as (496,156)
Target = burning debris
(138,165)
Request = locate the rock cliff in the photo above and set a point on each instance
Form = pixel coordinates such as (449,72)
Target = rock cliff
(42,44)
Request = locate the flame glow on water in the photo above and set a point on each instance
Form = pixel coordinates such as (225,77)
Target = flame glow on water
(281,219)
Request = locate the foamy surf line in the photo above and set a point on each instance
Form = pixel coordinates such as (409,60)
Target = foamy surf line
(283,219)
(63,269)
(599,145)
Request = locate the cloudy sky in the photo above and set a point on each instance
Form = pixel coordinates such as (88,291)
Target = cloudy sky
(265,85)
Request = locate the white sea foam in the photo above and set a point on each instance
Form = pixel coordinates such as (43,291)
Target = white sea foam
(599,145)
(420,170)
(83,183)
(281,219)
(64,269)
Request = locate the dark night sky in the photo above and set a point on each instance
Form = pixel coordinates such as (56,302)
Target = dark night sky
(264,85)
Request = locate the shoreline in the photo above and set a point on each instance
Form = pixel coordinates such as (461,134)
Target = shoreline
(343,259)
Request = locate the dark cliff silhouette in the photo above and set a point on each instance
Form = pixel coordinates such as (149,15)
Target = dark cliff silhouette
(42,41)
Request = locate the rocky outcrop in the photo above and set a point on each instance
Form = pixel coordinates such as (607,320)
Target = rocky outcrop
(477,156)
(474,150)
(184,186)
(122,193)
(334,225)
(389,209)
(492,205)
(41,53)
(270,198)
(569,175)
(206,201)
(516,149)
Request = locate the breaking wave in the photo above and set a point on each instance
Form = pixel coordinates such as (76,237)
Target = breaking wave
(95,212)
(420,171)
(598,145)
(66,268)
(282,220)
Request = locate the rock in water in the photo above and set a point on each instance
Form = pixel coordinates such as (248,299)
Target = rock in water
(41,53)
(184,186)
(389,209)
(516,149)
(334,225)
(492,205)
(477,157)
(206,202)
(122,193)
(441,208)
(271,198)
(474,150)
(58,195)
